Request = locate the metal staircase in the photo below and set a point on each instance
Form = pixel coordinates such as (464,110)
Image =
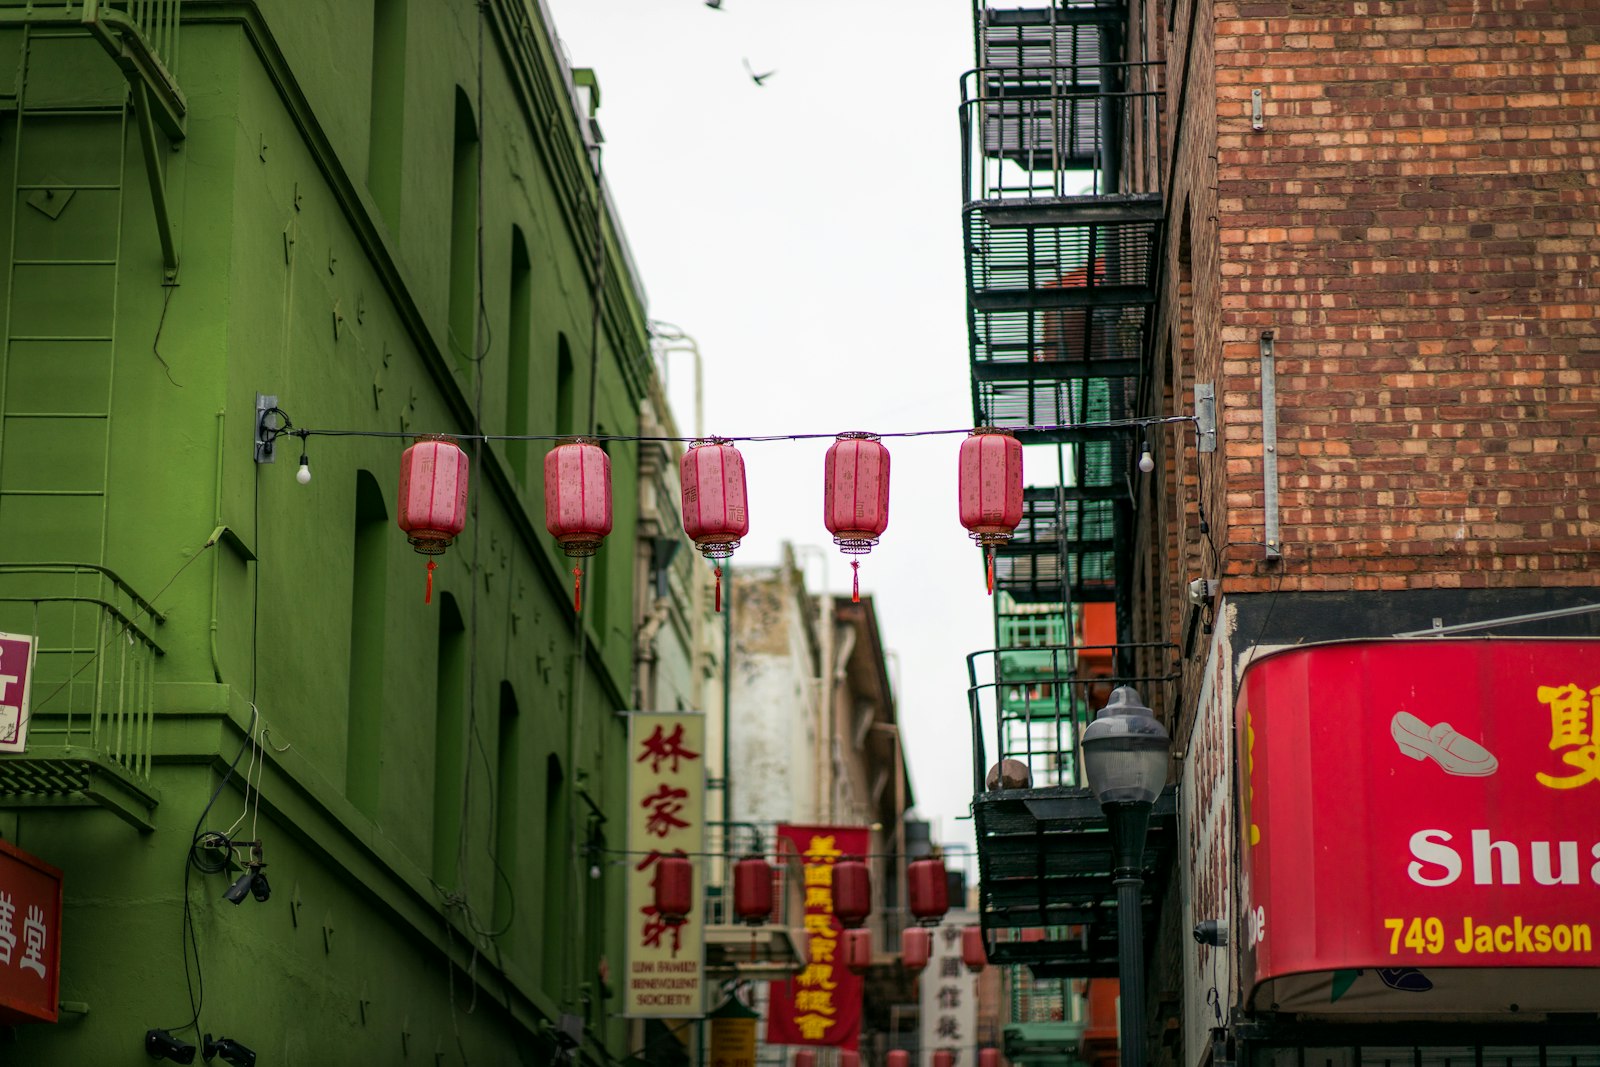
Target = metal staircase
(1062,237)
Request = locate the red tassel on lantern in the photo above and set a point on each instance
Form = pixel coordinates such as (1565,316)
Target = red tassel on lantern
(752,890)
(916,948)
(714,501)
(855,496)
(929,890)
(973,953)
(433,497)
(577,502)
(674,889)
(852,892)
(856,945)
(991,488)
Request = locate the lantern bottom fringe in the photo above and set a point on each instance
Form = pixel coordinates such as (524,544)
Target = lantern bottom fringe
(579,547)
(715,550)
(429,545)
(855,546)
(991,538)
(427,596)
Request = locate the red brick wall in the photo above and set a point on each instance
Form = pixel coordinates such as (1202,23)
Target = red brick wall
(1417,222)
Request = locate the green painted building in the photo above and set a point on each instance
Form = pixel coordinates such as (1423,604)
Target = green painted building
(385,215)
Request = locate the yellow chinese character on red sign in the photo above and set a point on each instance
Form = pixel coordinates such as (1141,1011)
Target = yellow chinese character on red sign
(1571,728)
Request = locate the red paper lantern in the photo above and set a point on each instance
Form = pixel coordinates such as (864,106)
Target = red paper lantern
(944,1058)
(577,502)
(991,488)
(988,1057)
(714,501)
(855,496)
(848,1058)
(973,954)
(852,892)
(916,948)
(433,497)
(856,946)
(929,890)
(674,886)
(752,890)
(899,1058)
(805,1058)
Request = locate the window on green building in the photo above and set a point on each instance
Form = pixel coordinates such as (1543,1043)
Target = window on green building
(364,711)
(464,235)
(385,132)
(449,754)
(507,772)
(517,355)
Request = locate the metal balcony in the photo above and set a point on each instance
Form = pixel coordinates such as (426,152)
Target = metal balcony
(92,719)
(1046,895)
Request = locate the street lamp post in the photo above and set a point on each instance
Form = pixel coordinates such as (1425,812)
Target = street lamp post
(1125,759)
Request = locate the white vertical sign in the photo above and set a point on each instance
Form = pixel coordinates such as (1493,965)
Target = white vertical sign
(949,996)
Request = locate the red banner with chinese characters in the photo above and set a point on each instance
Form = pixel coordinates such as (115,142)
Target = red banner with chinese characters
(822,1004)
(30,937)
(1411,810)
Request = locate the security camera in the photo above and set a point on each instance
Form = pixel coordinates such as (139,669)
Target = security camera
(259,887)
(1203,589)
(160,1045)
(240,887)
(230,1051)
(1212,932)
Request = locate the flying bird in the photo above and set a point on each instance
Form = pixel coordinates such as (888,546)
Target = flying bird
(715,5)
(759,79)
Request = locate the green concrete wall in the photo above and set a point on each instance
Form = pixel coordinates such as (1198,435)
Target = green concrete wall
(316,265)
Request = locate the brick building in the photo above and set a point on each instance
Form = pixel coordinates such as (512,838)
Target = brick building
(1332,264)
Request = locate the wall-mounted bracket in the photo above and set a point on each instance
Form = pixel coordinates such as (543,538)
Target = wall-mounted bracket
(1205,417)
(1269,446)
(1258,121)
(268,422)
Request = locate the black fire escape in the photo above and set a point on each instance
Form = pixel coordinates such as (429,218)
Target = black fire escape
(1062,224)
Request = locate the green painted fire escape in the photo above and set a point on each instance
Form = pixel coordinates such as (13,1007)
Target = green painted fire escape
(84,72)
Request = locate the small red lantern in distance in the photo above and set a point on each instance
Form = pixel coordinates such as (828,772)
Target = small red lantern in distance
(805,1058)
(991,488)
(857,950)
(973,954)
(577,502)
(916,948)
(855,496)
(899,1058)
(433,497)
(929,890)
(752,890)
(848,1058)
(944,1058)
(852,892)
(715,515)
(988,1057)
(674,887)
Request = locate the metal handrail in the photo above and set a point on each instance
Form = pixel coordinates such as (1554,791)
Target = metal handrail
(1053,705)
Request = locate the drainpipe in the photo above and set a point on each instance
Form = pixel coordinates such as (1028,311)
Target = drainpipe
(841,663)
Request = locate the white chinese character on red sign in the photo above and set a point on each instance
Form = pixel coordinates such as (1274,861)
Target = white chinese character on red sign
(33,935)
(8,936)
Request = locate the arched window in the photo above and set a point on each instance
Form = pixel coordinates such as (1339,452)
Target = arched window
(368,595)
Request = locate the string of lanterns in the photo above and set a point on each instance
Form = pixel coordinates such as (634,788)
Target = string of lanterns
(577,482)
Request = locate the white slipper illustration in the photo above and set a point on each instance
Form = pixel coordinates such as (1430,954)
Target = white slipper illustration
(1452,752)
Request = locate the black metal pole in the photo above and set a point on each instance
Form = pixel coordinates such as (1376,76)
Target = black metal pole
(1129,823)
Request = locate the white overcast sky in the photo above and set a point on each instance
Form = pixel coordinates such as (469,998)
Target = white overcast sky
(806,232)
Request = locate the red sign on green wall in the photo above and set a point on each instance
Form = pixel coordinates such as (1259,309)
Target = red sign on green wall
(1413,807)
(30,937)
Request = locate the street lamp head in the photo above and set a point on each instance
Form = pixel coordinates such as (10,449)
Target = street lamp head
(1125,751)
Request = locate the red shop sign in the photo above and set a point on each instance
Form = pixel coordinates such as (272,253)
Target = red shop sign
(822,1004)
(30,937)
(1413,808)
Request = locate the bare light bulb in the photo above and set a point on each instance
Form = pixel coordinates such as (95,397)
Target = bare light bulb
(303,475)
(1147,462)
